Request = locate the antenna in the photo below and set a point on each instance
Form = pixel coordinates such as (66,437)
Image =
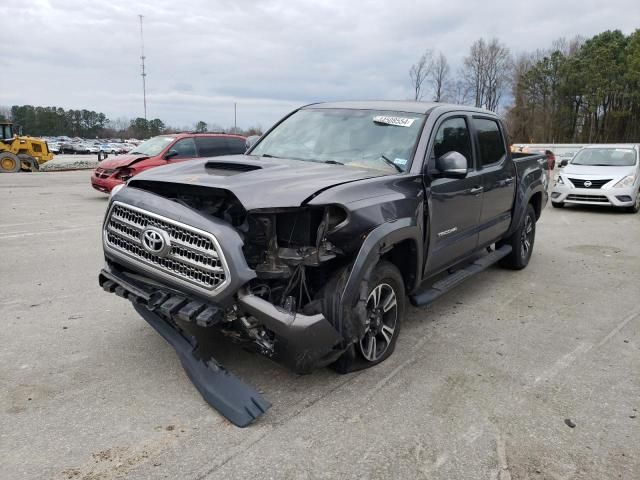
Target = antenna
(144,75)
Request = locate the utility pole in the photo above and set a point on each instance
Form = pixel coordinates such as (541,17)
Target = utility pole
(235,117)
(144,75)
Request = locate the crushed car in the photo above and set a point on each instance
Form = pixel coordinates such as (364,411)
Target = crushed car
(307,248)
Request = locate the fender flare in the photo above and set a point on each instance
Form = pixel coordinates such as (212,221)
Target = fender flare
(520,204)
(380,240)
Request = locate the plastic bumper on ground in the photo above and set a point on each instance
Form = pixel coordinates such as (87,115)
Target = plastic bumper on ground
(612,197)
(302,342)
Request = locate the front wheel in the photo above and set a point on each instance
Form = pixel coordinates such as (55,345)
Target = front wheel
(9,162)
(521,242)
(383,315)
(635,208)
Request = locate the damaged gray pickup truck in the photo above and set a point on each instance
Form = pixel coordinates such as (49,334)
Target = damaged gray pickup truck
(306,248)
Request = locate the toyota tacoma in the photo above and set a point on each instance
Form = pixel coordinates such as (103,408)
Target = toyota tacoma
(307,248)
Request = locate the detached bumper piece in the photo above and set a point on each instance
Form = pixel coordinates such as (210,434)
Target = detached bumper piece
(240,403)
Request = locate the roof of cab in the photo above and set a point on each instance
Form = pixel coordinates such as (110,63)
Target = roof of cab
(398,106)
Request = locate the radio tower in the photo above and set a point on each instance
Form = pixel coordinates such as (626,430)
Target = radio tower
(144,75)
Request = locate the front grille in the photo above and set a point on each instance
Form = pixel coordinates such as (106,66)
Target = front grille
(194,256)
(103,172)
(579,182)
(588,198)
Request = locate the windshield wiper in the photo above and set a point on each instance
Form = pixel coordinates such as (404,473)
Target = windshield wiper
(333,162)
(268,155)
(383,157)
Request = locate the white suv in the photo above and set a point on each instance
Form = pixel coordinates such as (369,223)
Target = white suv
(602,174)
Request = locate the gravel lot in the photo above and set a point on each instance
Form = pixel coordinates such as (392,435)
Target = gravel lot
(480,386)
(71,162)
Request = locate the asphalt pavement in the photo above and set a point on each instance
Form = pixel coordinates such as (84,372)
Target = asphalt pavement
(514,375)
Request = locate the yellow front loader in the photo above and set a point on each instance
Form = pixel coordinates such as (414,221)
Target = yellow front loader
(19,152)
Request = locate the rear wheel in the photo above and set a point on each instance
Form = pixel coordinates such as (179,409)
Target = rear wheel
(9,162)
(521,241)
(383,315)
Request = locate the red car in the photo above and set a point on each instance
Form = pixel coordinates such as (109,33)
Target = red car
(164,150)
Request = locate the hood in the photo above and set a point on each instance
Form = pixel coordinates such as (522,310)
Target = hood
(114,162)
(259,182)
(598,172)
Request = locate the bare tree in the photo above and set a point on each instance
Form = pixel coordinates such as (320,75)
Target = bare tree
(487,71)
(459,92)
(419,73)
(440,77)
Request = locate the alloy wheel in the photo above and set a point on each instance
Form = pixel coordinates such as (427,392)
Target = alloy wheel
(382,319)
(526,238)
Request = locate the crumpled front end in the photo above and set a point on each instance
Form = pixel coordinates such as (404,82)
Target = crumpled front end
(197,262)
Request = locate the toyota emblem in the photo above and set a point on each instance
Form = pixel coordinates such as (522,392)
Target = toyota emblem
(588,183)
(155,241)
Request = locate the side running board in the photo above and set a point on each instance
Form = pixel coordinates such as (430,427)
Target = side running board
(428,295)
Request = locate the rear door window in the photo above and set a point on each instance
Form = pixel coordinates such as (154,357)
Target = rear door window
(212,146)
(491,145)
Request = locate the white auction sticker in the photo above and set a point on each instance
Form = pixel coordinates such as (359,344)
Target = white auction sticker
(397,121)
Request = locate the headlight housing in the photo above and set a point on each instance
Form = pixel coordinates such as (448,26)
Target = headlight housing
(124,173)
(626,182)
(559,181)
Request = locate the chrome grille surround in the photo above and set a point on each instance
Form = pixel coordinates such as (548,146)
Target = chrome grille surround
(195,257)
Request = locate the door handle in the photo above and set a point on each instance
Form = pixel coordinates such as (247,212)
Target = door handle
(476,190)
(508,181)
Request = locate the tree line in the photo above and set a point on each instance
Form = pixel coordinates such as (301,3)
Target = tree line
(56,121)
(581,90)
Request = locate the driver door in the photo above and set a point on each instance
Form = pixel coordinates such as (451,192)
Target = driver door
(454,203)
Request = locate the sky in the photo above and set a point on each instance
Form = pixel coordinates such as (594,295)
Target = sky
(268,56)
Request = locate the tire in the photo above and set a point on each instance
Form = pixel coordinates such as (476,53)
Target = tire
(557,204)
(521,242)
(635,208)
(29,160)
(9,162)
(384,310)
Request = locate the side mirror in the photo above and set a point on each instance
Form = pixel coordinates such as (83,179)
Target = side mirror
(170,154)
(564,163)
(452,165)
(250,142)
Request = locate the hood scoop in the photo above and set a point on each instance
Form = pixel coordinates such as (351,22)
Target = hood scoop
(230,168)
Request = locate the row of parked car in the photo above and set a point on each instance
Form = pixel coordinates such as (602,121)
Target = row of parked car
(66,145)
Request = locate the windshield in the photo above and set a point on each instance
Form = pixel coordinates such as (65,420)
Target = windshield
(605,157)
(153,146)
(380,140)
